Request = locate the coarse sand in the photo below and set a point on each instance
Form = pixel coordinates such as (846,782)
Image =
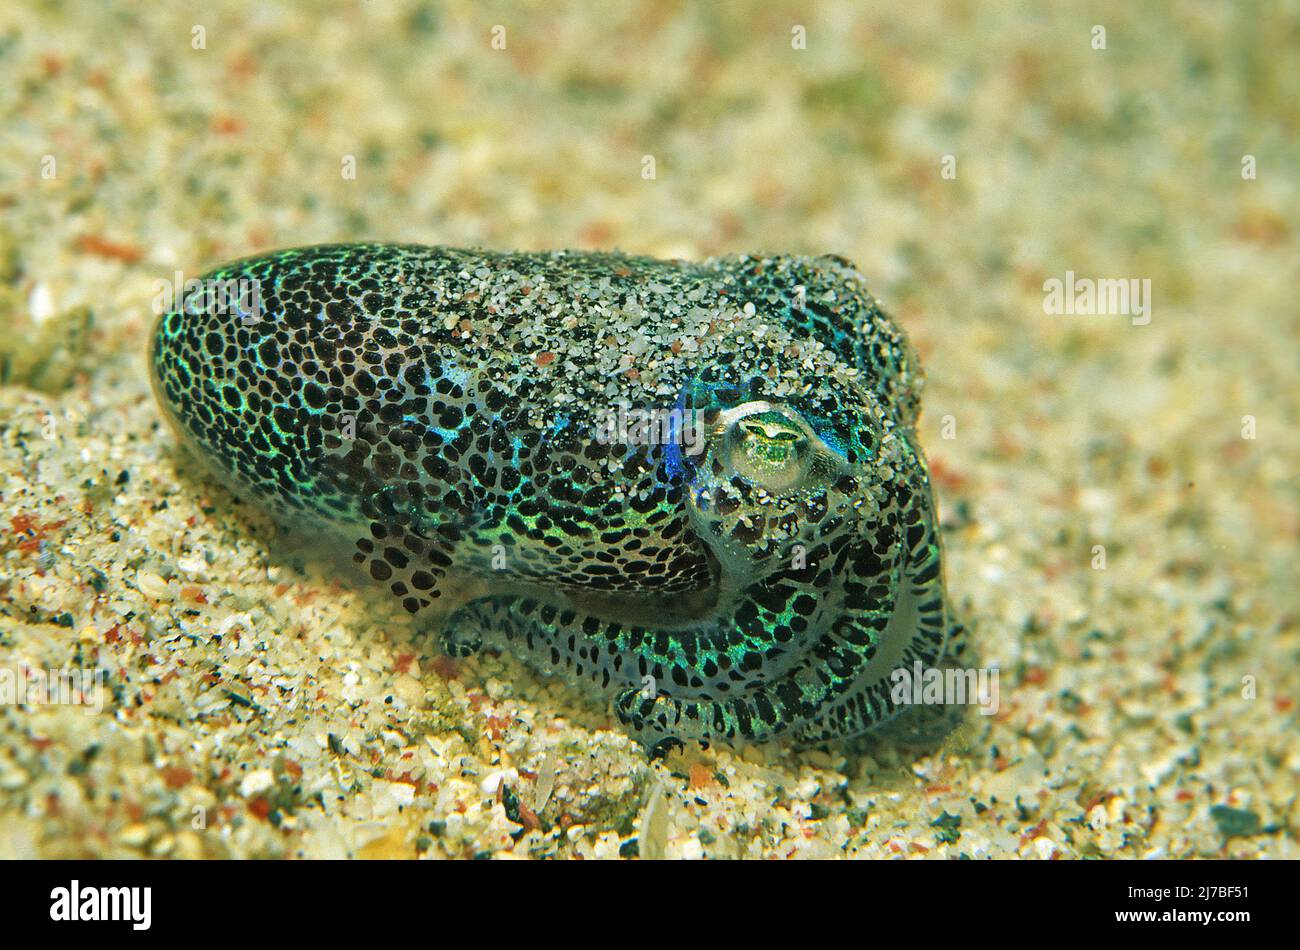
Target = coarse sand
(1119,491)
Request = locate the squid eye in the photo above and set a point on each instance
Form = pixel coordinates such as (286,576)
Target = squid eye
(770,449)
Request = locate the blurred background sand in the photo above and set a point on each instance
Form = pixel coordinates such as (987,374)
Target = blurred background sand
(1148,708)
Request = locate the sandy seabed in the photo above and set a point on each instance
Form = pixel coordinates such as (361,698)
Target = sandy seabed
(1119,492)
